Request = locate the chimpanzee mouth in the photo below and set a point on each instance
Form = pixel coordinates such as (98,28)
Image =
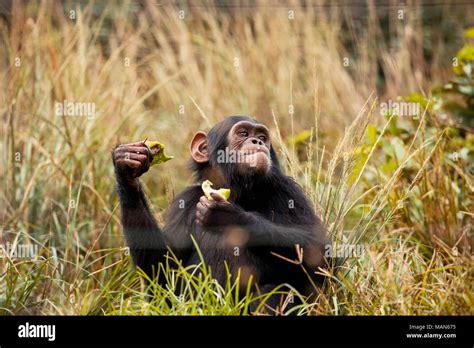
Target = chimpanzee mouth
(254,152)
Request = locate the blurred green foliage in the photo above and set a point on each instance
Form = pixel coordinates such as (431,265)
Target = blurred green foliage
(438,145)
(457,96)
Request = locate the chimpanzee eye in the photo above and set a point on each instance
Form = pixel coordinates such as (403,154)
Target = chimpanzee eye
(263,138)
(244,133)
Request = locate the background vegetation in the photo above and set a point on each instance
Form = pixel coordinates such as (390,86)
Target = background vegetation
(402,186)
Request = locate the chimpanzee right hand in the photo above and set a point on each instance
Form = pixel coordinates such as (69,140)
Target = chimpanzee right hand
(131,161)
(217,212)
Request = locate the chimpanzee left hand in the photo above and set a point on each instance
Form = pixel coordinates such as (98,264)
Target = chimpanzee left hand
(217,212)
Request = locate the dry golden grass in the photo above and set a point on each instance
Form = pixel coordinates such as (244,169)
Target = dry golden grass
(151,74)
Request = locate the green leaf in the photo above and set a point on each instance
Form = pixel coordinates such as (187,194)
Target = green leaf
(398,148)
(466,53)
(372,133)
(158,152)
(359,156)
(300,138)
(417,98)
(392,127)
(389,166)
(466,90)
(469,32)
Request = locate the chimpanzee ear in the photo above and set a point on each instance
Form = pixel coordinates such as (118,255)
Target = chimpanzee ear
(199,150)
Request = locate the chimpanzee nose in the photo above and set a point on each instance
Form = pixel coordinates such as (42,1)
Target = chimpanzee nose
(257,141)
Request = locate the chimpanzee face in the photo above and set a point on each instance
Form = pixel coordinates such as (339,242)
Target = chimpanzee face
(251,143)
(237,146)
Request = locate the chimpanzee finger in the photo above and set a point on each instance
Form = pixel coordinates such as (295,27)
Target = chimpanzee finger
(132,164)
(201,206)
(148,151)
(200,209)
(206,202)
(199,216)
(138,157)
(139,163)
(136,149)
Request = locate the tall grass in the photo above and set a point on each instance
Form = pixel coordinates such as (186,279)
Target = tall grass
(152,74)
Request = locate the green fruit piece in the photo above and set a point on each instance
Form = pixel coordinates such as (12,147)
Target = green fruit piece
(158,152)
(206,187)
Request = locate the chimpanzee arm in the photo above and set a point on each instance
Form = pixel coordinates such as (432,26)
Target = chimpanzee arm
(276,241)
(263,232)
(286,229)
(298,226)
(145,239)
(147,242)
